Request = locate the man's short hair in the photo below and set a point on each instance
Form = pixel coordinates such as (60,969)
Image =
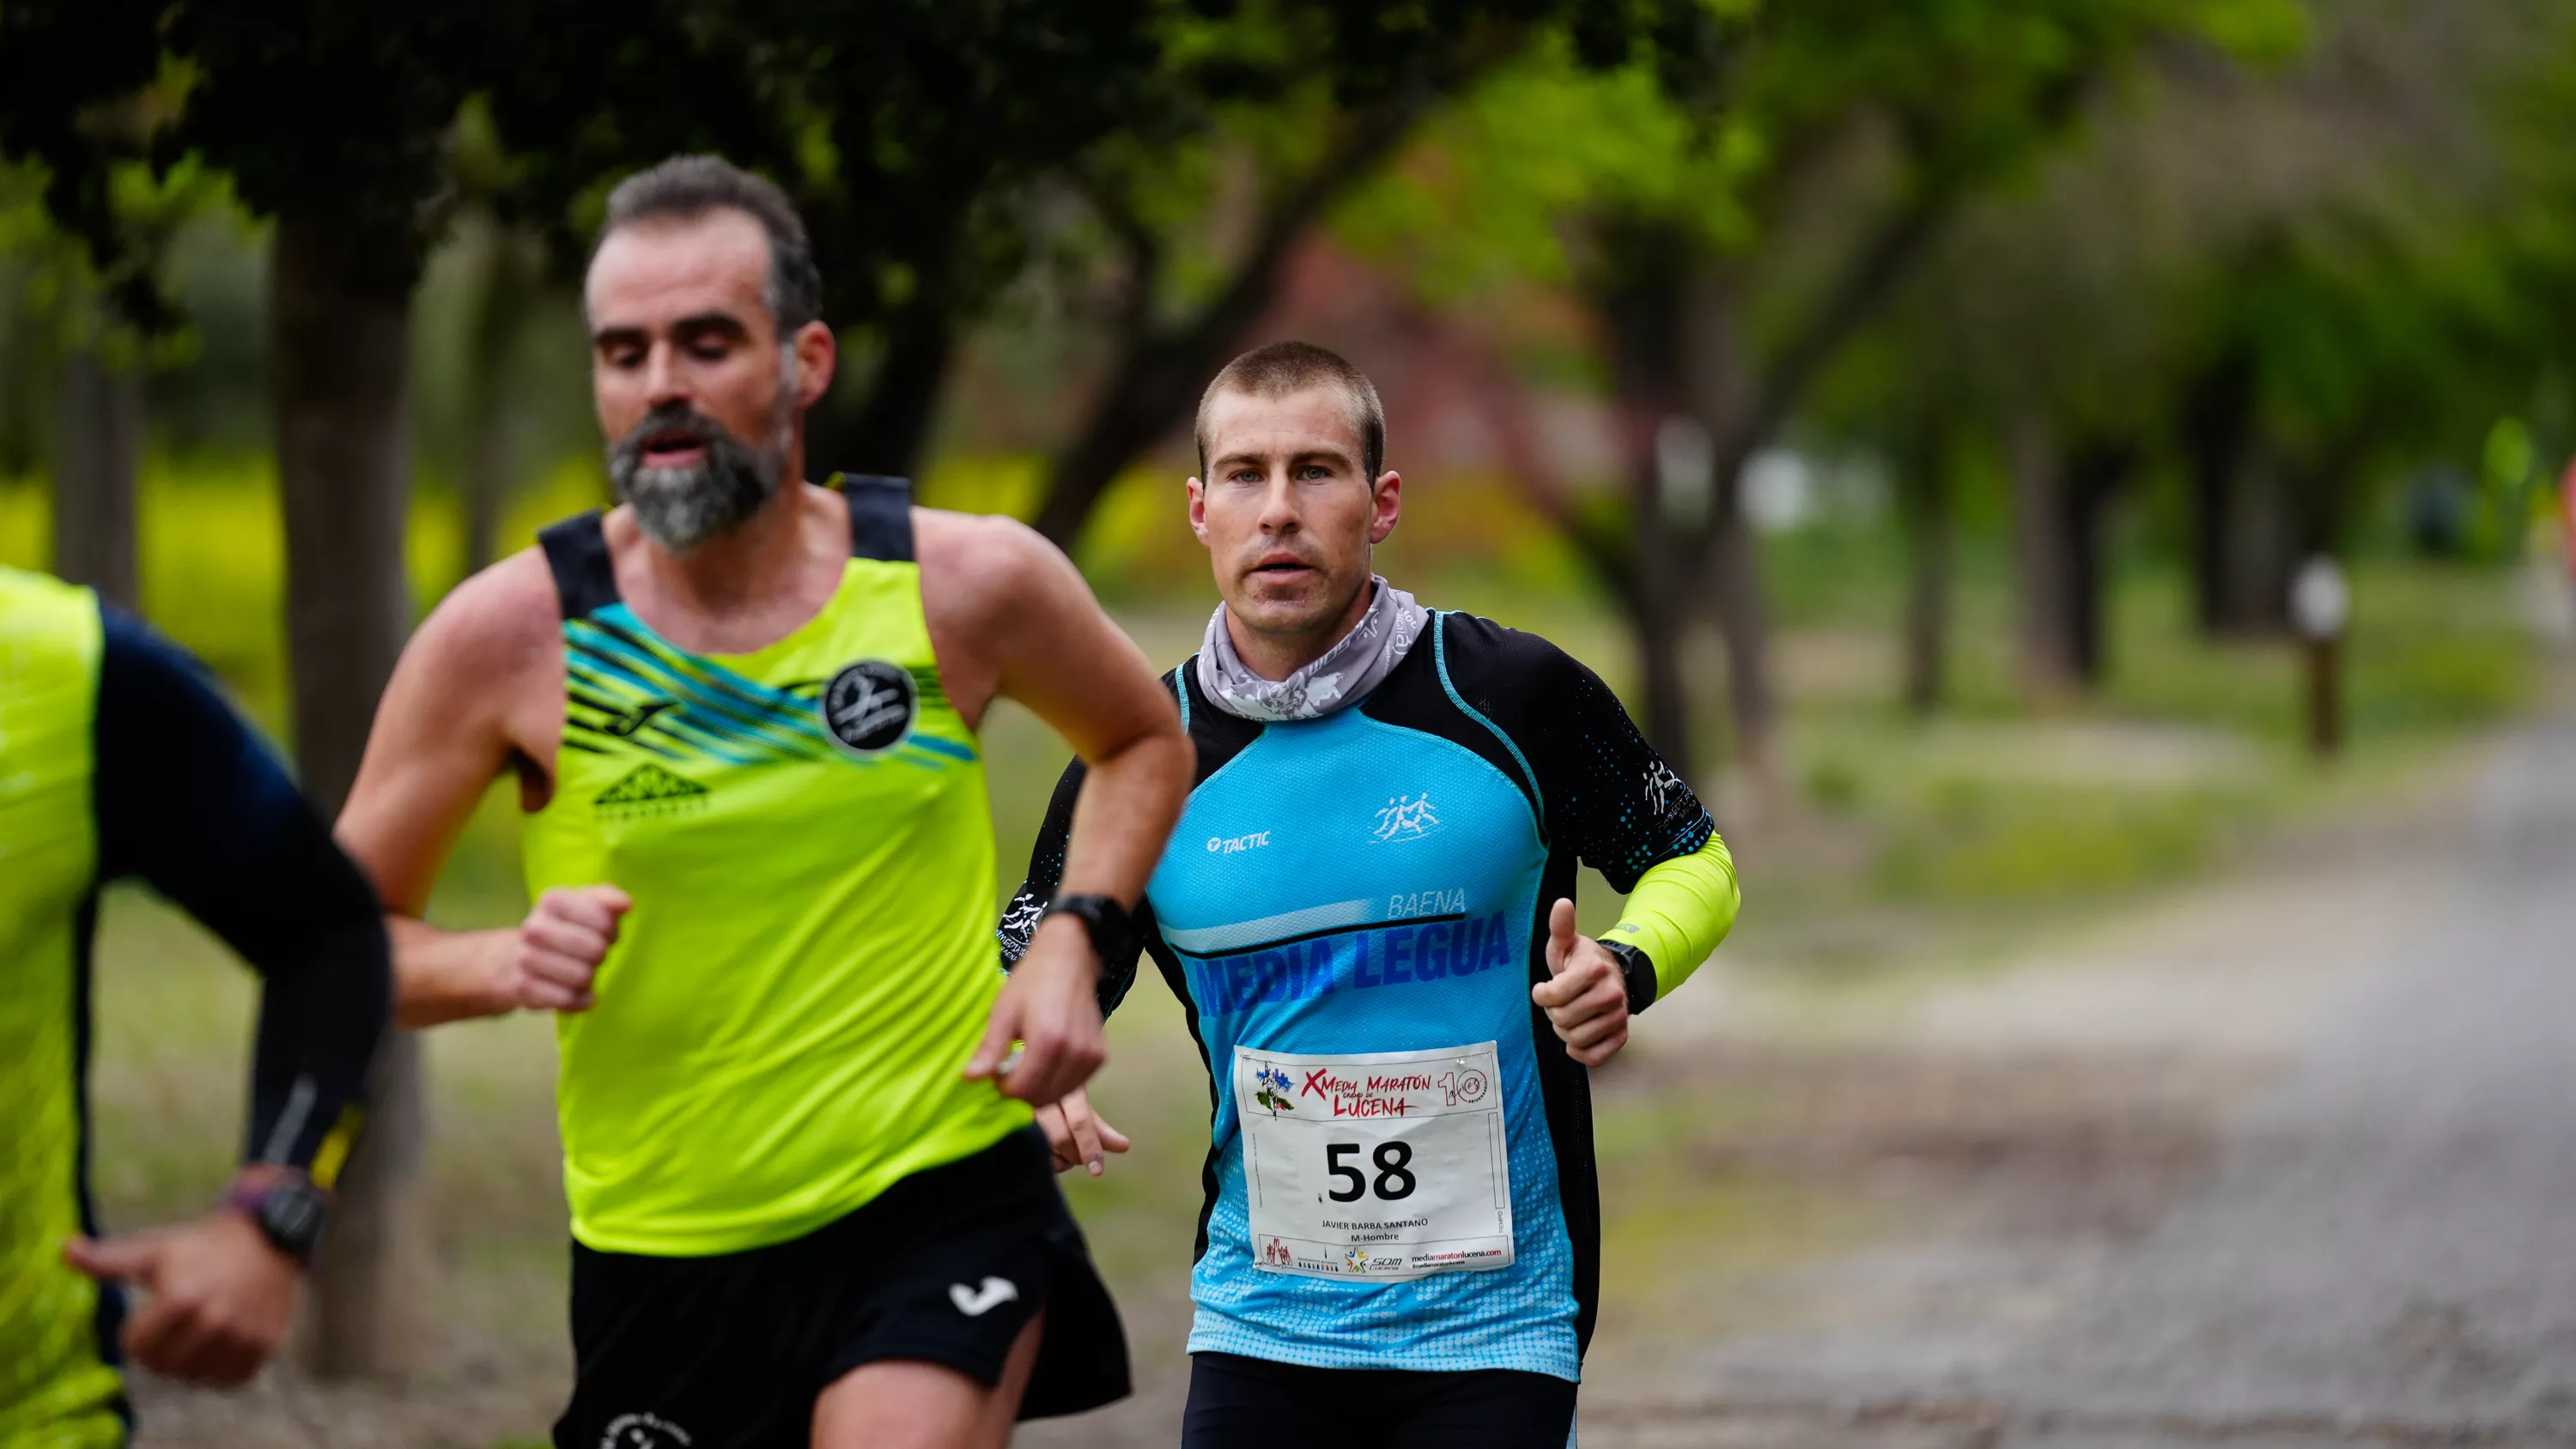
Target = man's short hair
(1281,368)
(685,188)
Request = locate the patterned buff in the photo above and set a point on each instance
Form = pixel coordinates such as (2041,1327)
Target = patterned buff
(1345,673)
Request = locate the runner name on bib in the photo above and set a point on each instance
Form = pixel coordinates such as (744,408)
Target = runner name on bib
(1383,1165)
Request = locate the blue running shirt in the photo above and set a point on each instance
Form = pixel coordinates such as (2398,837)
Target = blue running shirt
(1377,881)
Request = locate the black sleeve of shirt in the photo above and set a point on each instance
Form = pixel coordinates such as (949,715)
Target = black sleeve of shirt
(1605,791)
(1037,890)
(189,800)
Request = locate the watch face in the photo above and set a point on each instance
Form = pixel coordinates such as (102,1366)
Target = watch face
(291,1216)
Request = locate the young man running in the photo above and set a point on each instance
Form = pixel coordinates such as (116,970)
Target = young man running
(1367,912)
(117,761)
(741,710)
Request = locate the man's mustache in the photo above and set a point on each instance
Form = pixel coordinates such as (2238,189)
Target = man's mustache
(674,418)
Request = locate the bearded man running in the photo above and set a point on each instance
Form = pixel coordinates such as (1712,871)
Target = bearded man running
(807,1200)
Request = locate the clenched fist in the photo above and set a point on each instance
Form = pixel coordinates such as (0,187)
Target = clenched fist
(561,943)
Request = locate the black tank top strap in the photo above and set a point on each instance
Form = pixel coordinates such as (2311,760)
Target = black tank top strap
(880,516)
(577,551)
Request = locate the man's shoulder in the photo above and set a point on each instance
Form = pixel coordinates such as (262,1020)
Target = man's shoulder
(1510,668)
(986,548)
(981,569)
(504,616)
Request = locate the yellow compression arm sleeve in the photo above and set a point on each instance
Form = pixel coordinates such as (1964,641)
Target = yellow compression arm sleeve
(1679,911)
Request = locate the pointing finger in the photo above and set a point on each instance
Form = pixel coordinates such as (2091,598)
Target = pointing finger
(1086,1131)
(112,1260)
(1111,1137)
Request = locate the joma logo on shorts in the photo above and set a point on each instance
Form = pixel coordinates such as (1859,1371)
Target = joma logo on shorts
(643,1431)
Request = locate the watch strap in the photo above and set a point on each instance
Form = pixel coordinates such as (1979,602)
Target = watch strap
(287,1210)
(1637,971)
(1111,926)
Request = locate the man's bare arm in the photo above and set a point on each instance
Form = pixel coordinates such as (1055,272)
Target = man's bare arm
(1010,615)
(1028,628)
(443,733)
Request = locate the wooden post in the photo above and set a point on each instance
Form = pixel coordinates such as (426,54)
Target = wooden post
(2320,608)
(2325,696)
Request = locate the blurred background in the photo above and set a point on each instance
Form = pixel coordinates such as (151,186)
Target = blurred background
(2073,482)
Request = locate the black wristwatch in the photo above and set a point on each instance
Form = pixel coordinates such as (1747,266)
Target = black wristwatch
(1637,970)
(1111,926)
(289,1211)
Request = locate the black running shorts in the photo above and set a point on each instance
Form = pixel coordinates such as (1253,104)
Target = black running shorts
(1250,1403)
(945,1267)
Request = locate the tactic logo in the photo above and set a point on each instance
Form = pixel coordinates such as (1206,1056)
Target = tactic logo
(868,707)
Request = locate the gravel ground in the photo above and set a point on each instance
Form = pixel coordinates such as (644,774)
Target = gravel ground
(2382,1250)
(2282,1162)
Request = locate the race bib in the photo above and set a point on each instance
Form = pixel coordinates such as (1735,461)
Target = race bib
(1381,1165)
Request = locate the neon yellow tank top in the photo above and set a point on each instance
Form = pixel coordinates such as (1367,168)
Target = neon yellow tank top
(54,1389)
(778,1032)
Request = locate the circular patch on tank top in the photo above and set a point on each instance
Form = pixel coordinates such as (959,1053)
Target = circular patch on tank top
(869,706)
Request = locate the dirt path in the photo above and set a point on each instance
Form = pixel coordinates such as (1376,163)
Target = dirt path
(2321,1189)
(2282,1162)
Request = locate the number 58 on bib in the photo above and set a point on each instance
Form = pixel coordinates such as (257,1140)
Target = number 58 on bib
(1379,1165)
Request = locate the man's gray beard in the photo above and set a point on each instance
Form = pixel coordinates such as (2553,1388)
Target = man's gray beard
(680,508)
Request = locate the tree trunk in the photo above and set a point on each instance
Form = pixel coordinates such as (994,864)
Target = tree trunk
(2095,472)
(2062,496)
(2218,435)
(1654,589)
(98,453)
(889,432)
(2262,552)
(1927,497)
(1735,580)
(487,489)
(341,346)
(511,280)
(2041,537)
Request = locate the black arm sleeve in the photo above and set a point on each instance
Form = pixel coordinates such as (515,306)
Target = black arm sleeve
(1037,890)
(1607,793)
(191,801)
